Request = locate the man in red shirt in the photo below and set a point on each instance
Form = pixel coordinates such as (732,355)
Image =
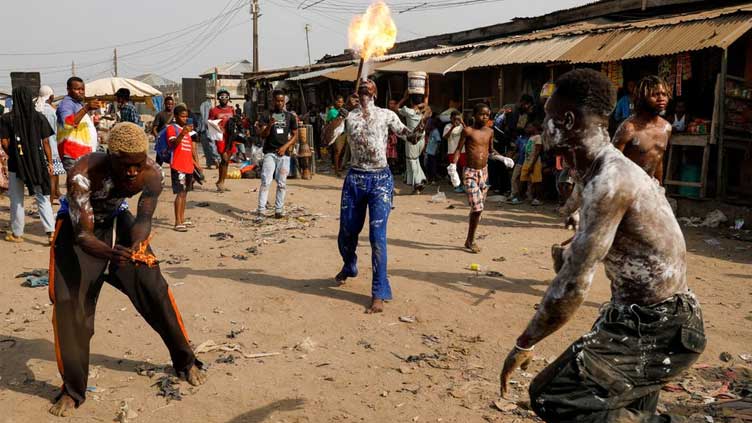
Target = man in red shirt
(184,160)
(223,112)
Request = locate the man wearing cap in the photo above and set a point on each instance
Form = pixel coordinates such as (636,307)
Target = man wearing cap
(95,237)
(369,185)
(223,112)
(127,110)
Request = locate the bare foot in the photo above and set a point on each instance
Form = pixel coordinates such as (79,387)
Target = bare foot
(473,248)
(195,376)
(220,187)
(63,407)
(377,306)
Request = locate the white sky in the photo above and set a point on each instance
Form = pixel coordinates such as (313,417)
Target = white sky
(49,26)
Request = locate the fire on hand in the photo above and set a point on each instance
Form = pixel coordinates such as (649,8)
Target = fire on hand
(143,256)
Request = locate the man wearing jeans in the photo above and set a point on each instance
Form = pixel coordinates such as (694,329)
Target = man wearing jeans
(279,130)
(369,185)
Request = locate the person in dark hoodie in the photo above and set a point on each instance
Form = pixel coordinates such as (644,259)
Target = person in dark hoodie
(23,134)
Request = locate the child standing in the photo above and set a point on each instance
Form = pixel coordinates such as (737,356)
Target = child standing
(432,149)
(478,142)
(184,160)
(531,175)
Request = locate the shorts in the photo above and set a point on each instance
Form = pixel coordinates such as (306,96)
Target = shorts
(57,167)
(476,187)
(181,182)
(537,175)
(222,145)
(68,163)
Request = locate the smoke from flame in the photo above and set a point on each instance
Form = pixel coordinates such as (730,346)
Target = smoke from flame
(373,34)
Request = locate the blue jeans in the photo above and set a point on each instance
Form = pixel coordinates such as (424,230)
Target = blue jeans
(275,168)
(16,193)
(371,190)
(210,150)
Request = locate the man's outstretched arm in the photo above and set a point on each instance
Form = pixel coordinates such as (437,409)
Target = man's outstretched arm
(602,211)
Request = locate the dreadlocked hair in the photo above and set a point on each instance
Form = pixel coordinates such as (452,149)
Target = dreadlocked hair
(126,137)
(589,90)
(647,86)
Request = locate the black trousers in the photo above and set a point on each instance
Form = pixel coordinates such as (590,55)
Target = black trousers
(75,282)
(615,373)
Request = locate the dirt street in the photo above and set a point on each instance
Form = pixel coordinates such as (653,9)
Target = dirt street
(433,356)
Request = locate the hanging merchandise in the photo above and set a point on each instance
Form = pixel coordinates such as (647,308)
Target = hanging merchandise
(667,72)
(683,71)
(614,72)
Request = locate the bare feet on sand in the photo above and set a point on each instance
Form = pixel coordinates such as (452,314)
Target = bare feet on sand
(377,306)
(63,407)
(472,247)
(195,376)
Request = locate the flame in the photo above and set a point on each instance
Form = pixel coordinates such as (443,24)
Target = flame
(143,256)
(373,34)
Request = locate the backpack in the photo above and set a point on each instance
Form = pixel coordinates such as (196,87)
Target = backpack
(162,147)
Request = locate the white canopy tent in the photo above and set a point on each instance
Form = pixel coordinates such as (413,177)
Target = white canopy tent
(104,89)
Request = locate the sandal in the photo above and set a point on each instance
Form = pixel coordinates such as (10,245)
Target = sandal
(189,224)
(12,238)
(180,228)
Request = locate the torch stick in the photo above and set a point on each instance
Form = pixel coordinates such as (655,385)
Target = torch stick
(358,78)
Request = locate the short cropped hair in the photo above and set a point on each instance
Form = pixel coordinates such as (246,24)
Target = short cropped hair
(589,90)
(126,137)
(124,93)
(276,93)
(73,79)
(454,113)
(479,107)
(180,108)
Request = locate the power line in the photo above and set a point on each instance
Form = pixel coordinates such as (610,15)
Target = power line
(188,28)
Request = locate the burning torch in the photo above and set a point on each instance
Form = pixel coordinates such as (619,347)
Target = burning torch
(371,35)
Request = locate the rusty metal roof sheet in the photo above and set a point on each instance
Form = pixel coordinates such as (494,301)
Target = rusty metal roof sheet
(539,51)
(441,64)
(268,76)
(637,42)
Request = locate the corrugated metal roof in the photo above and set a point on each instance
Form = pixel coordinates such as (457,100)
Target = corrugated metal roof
(435,64)
(268,76)
(312,75)
(634,43)
(541,51)
(596,42)
(350,73)
(231,68)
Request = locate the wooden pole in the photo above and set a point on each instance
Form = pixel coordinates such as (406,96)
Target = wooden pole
(720,182)
(358,78)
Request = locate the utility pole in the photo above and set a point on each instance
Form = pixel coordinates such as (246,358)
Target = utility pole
(73,68)
(115,63)
(255,13)
(308,44)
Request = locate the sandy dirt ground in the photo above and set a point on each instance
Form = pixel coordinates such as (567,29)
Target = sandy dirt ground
(433,356)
